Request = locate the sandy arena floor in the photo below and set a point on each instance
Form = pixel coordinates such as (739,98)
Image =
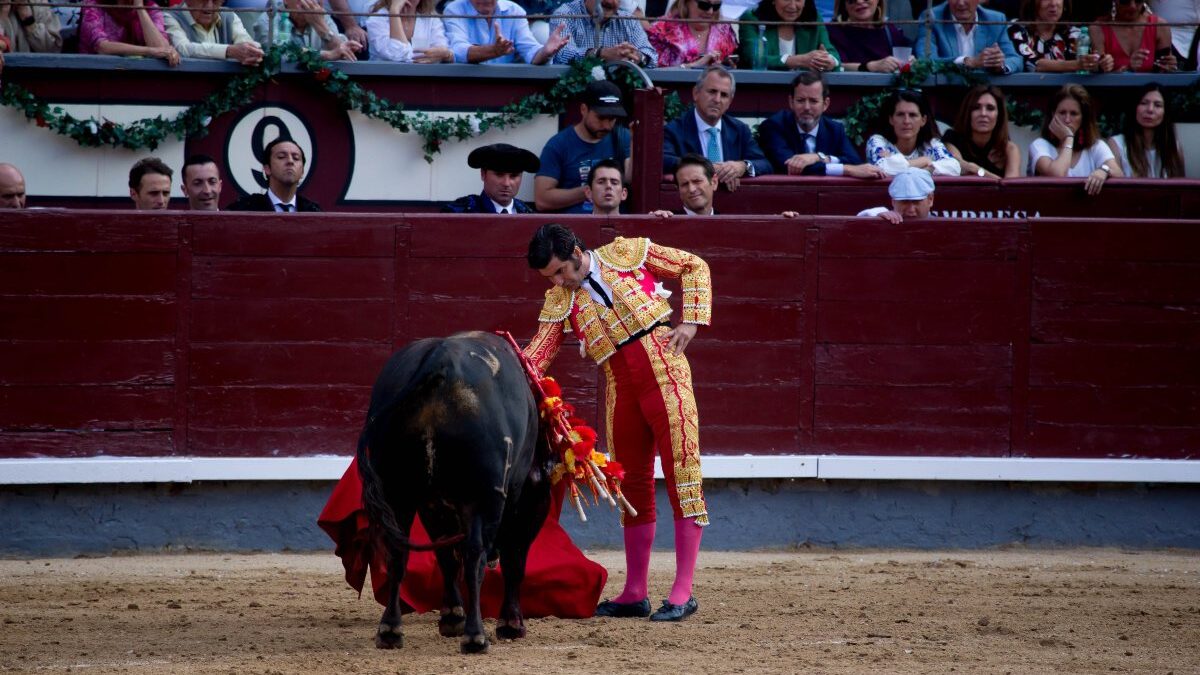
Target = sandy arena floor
(1076,611)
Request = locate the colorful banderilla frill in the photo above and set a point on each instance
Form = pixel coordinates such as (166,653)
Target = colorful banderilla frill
(573,443)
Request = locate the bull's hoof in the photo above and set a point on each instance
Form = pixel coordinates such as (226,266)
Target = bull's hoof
(473,644)
(389,637)
(453,623)
(510,632)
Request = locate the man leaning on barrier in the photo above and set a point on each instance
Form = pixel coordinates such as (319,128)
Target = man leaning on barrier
(968,35)
(203,31)
(496,32)
(619,36)
(304,23)
(28,28)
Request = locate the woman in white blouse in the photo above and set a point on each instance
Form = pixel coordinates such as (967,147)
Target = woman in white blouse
(1070,144)
(1149,147)
(416,37)
(908,138)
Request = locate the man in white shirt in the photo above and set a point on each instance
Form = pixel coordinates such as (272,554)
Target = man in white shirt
(968,35)
(501,168)
(204,31)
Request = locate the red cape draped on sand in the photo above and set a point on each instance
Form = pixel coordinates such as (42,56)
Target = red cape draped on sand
(559,580)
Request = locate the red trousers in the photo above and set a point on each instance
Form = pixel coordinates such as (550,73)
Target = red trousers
(649,405)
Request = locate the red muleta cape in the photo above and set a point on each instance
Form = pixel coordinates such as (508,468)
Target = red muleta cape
(559,580)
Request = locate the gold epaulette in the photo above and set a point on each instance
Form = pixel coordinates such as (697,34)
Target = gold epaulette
(624,255)
(557,306)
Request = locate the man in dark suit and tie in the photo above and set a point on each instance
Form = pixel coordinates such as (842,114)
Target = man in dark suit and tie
(283,165)
(799,140)
(706,130)
(501,168)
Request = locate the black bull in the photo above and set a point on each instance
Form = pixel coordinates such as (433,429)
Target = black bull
(452,435)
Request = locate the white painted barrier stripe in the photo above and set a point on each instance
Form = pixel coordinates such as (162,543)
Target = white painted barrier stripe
(831,467)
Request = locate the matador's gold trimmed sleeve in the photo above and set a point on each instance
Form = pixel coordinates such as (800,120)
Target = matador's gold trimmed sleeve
(545,344)
(694,276)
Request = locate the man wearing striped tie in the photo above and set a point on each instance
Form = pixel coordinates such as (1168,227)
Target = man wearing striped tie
(706,130)
(283,165)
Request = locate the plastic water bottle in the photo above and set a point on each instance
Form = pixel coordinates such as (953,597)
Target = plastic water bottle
(1084,48)
(760,49)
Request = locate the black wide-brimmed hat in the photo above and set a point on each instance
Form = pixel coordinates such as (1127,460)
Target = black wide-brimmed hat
(503,157)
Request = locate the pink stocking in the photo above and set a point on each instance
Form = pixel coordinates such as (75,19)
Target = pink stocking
(639,539)
(687,550)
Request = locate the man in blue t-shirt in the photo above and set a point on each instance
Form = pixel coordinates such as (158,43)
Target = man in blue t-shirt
(568,156)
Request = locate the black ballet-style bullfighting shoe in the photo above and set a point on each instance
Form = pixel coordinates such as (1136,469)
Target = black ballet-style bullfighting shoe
(624,610)
(669,612)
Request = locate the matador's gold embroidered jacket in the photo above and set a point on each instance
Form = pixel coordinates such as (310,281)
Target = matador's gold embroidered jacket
(631,267)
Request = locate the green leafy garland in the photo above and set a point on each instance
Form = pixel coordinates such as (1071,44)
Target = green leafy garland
(151,131)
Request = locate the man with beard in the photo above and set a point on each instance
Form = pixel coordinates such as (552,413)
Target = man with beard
(605,188)
(283,165)
(501,167)
(201,183)
(569,155)
(800,140)
(608,32)
(706,130)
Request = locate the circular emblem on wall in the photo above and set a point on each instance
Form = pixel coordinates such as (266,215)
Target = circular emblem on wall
(254,129)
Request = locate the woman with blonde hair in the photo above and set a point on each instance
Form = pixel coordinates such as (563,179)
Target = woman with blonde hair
(407,31)
(979,139)
(695,43)
(863,37)
(1070,144)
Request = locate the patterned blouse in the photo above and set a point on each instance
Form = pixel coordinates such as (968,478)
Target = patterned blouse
(1060,46)
(116,25)
(884,154)
(676,45)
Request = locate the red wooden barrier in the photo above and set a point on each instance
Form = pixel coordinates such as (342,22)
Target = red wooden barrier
(260,335)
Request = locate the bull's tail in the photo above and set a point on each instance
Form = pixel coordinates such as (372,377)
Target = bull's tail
(379,511)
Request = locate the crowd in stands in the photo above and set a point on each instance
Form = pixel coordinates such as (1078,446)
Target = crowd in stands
(819,35)
(707,149)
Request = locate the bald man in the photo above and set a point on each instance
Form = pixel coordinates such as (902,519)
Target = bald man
(12,187)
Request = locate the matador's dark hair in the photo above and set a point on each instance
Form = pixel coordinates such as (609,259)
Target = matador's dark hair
(551,240)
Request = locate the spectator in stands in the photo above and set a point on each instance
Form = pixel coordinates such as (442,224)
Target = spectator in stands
(863,37)
(569,155)
(696,179)
(499,33)
(1070,123)
(618,36)
(695,43)
(129,29)
(605,188)
(1183,37)
(959,35)
(28,28)
(501,168)
(706,130)
(1134,37)
(353,27)
(1148,148)
(1047,44)
(800,140)
(201,183)
(150,184)
(908,137)
(912,197)
(283,165)
(788,46)
(979,139)
(407,39)
(12,187)
(306,24)
(205,31)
